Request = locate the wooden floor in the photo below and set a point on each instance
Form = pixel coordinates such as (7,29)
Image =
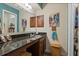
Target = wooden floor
(63,53)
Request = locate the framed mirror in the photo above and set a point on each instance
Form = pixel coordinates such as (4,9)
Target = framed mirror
(0,22)
(9,22)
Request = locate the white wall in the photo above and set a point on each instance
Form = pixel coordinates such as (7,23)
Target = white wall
(24,15)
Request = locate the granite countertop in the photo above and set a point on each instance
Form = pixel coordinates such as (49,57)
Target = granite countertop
(16,33)
(12,45)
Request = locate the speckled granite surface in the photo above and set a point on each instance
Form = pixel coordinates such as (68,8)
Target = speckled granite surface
(12,45)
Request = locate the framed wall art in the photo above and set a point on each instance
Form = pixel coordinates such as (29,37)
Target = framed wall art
(24,24)
(54,20)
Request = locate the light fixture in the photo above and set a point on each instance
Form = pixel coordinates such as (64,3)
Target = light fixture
(28,6)
(25,5)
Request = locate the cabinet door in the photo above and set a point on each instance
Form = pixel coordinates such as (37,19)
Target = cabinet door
(41,46)
(40,21)
(32,21)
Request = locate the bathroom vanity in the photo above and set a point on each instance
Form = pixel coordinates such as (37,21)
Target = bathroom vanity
(23,43)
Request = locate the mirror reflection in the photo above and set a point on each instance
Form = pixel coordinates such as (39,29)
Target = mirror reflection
(9,22)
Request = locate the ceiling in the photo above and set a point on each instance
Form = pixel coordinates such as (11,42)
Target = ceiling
(14,5)
(35,6)
(38,6)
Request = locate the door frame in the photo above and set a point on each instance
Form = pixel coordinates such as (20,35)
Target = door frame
(71,24)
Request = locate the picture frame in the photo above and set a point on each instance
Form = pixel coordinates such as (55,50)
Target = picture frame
(24,22)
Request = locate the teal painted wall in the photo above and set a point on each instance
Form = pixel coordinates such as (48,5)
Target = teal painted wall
(6,7)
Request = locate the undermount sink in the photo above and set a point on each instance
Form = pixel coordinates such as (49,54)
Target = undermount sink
(37,36)
(8,48)
(28,41)
(11,46)
(15,45)
(32,39)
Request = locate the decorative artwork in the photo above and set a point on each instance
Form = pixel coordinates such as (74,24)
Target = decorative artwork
(54,36)
(52,23)
(54,20)
(32,22)
(11,28)
(37,21)
(40,21)
(54,28)
(24,24)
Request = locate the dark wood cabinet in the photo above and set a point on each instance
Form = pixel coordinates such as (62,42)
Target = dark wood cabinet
(34,48)
(41,46)
(38,49)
